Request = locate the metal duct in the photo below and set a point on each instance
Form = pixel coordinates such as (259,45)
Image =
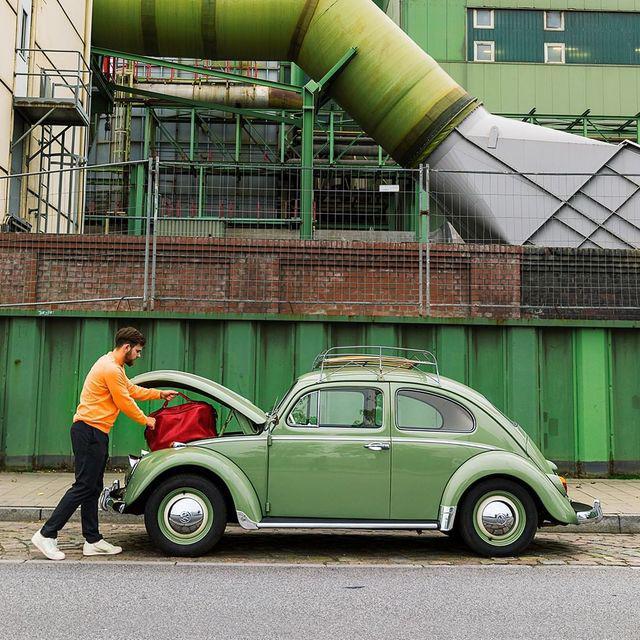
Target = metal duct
(241,96)
(397,93)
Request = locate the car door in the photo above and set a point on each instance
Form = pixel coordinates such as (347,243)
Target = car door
(430,435)
(330,454)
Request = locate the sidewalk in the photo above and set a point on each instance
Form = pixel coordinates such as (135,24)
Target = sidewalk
(32,496)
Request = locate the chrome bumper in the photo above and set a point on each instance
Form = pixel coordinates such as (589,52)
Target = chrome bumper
(586,514)
(111,498)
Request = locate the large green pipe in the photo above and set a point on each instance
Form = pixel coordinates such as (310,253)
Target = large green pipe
(397,93)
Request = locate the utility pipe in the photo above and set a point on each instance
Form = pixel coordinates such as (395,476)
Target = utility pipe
(396,92)
(243,97)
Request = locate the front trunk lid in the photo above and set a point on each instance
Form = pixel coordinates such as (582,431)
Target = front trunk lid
(191,382)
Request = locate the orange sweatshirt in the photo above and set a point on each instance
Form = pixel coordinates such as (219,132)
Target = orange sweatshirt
(106,392)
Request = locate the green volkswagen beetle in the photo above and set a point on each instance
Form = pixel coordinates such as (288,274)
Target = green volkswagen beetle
(372,438)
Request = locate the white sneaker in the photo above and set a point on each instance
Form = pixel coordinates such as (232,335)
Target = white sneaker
(100,548)
(48,546)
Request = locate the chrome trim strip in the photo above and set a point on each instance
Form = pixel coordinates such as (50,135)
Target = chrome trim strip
(349,525)
(447,517)
(593,515)
(226,439)
(459,443)
(304,438)
(246,523)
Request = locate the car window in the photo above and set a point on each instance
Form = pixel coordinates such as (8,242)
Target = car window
(345,408)
(420,410)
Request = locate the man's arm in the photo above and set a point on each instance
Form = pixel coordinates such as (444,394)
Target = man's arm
(117,383)
(142,393)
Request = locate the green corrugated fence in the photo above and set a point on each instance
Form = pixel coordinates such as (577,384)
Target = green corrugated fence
(573,387)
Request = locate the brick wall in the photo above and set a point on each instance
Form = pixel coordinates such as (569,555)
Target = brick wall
(236,275)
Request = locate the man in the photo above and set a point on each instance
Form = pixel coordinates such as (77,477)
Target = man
(106,392)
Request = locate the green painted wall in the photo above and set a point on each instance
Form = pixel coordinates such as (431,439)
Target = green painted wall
(551,89)
(572,387)
(590,37)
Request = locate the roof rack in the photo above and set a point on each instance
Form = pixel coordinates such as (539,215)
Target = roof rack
(376,358)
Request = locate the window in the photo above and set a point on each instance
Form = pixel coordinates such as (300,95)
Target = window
(484,51)
(418,410)
(554,20)
(483,18)
(344,408)
(24,35)
(554,52)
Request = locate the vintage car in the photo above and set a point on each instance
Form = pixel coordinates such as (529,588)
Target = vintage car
(372,438)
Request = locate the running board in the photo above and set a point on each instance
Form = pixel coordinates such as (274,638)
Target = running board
(313,523)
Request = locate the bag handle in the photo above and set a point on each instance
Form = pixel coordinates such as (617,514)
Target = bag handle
(166,402)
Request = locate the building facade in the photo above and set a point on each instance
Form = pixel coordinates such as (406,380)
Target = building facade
(44,109)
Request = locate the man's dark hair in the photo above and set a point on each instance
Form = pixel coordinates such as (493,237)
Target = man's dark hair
(129,335)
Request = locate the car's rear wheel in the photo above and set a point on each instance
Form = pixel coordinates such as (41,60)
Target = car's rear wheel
(185,515)
(498,518)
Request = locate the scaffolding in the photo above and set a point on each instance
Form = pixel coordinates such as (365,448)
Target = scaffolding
(53,100)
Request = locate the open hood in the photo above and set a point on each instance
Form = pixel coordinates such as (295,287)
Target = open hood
(182,381)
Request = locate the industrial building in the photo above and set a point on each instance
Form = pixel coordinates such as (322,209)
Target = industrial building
(266,179)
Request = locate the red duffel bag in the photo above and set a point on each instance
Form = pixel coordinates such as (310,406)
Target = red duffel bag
(183,423)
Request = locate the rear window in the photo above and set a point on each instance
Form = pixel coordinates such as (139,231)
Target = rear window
(418,410)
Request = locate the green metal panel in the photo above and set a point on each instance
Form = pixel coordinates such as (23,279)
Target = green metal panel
(625,401)
(21,393)
(557,397)
(592,400)
(452,352)
(522,380)
(487,369)
(57,390)
(438,27)
(275,362)
(239,371)
(310,339)
(573,387)
(562,89)
(4,366)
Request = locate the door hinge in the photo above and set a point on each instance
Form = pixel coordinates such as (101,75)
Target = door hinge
(269,440)
(267,507)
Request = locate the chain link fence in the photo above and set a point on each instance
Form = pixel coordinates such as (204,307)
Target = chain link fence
(206,237)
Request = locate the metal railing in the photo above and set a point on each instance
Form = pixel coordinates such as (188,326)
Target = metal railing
(197,237)
(55,76)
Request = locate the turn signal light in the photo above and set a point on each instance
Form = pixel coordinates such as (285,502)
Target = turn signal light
(564,484)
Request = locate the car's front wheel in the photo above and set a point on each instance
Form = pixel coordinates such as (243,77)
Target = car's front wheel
(185,515)
(498,518)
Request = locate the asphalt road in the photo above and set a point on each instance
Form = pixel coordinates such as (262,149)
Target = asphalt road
(119,601)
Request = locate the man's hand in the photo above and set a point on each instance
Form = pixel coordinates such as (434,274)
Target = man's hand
(168,395)
(151,423)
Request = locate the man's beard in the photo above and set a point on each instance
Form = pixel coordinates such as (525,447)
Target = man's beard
(129,362)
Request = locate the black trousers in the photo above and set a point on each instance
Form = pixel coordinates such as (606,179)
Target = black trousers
(91,450)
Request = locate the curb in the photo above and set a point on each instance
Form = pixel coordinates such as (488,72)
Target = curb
(34,514)
(611,523)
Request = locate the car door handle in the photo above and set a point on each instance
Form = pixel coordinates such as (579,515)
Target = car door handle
(377,446)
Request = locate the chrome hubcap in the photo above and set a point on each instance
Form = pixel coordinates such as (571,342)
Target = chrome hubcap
(185,515)
(497,516)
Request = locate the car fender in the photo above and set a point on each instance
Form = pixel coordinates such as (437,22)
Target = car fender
(504,463)
(155,464)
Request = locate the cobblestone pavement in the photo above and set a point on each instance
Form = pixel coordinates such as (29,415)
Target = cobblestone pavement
(333,547)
